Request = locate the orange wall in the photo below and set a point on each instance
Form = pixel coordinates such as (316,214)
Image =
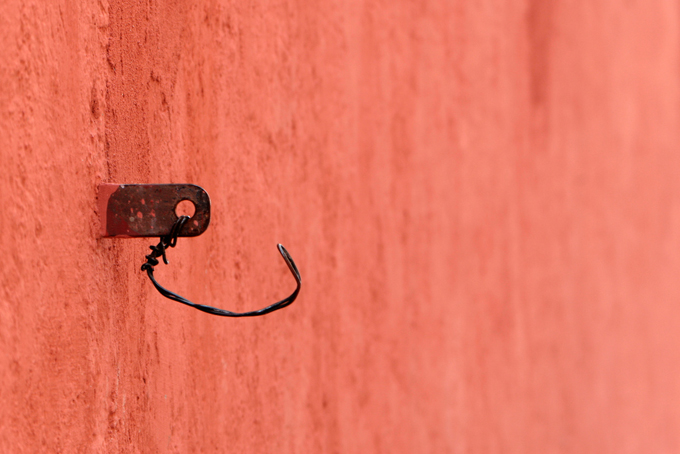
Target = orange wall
(482,197)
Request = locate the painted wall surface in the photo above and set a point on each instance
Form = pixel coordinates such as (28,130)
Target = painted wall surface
(482,197)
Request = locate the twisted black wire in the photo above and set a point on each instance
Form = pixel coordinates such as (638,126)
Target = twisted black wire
(170,240)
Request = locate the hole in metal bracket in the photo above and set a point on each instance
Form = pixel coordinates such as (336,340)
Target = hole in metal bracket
(185,208)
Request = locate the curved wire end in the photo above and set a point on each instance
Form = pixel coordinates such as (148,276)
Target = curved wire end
(289,261)
(171,240)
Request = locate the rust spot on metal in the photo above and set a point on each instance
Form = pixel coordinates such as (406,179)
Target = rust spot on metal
(148,210)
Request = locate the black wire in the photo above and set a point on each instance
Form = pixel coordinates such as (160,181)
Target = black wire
(170,240)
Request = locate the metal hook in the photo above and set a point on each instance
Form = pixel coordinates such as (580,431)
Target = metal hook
(170,240)
(144,210)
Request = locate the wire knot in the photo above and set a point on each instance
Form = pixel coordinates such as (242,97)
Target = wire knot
(169,240)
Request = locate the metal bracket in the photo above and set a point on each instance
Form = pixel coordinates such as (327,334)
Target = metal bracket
(148,210)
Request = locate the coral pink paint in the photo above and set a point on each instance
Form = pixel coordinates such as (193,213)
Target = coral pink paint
(482,198)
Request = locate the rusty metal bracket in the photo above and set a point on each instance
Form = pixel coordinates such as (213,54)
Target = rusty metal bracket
(148,210)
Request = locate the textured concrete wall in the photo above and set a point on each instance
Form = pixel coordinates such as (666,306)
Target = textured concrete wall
(482,197)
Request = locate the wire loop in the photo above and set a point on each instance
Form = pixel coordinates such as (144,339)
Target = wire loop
(170,240)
